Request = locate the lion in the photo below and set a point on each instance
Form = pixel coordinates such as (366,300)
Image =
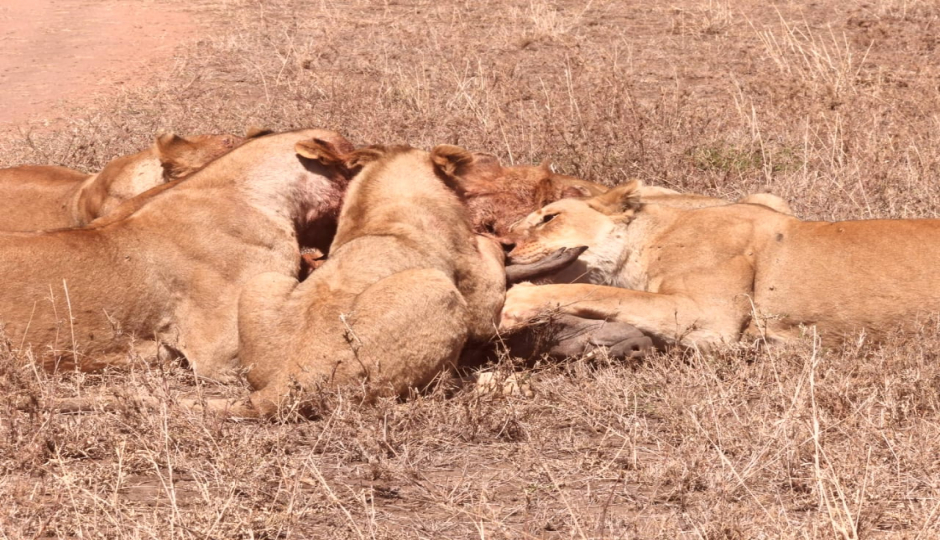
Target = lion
(705,276)
(406,285)
(43,197)
(166,268)
(498,197)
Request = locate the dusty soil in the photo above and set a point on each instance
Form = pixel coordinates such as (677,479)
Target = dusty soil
(73,50)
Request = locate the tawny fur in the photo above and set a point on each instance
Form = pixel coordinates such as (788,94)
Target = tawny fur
(169,267)
(699,277)
(38,197)
(406,285)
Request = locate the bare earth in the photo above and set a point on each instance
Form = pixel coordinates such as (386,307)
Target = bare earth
(54,50)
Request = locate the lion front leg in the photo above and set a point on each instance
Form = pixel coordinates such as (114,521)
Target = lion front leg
(208,329)
(674,319)
(210,345)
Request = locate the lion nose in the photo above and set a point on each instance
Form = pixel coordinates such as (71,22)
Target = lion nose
(508,245)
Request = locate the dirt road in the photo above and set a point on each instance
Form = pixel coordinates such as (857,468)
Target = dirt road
(53,51)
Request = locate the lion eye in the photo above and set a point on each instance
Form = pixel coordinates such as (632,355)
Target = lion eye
(489,227)
(547,217)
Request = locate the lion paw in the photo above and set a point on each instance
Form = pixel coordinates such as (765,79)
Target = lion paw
(524,302)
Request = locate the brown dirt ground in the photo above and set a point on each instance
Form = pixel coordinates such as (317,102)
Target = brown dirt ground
(74,50)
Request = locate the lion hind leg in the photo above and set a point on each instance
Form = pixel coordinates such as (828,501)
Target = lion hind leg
(408,329)
(209,336)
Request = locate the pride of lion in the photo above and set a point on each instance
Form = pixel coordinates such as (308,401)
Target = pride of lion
(192,248)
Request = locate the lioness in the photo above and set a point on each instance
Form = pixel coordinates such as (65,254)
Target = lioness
(699,277)
(499,197)
(39,197)
(406,285)
(169,269)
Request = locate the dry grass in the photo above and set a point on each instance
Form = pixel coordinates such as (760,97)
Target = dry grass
(834,105)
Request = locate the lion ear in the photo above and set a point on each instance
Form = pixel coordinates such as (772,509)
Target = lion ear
(623,199)
(451,161)
(168,143)
(320,151)
(545,192)
(175,155)
(363,156)
(253,132)
(330,154)
(480,176)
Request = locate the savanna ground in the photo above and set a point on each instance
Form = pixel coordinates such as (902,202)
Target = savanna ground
(834,105)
